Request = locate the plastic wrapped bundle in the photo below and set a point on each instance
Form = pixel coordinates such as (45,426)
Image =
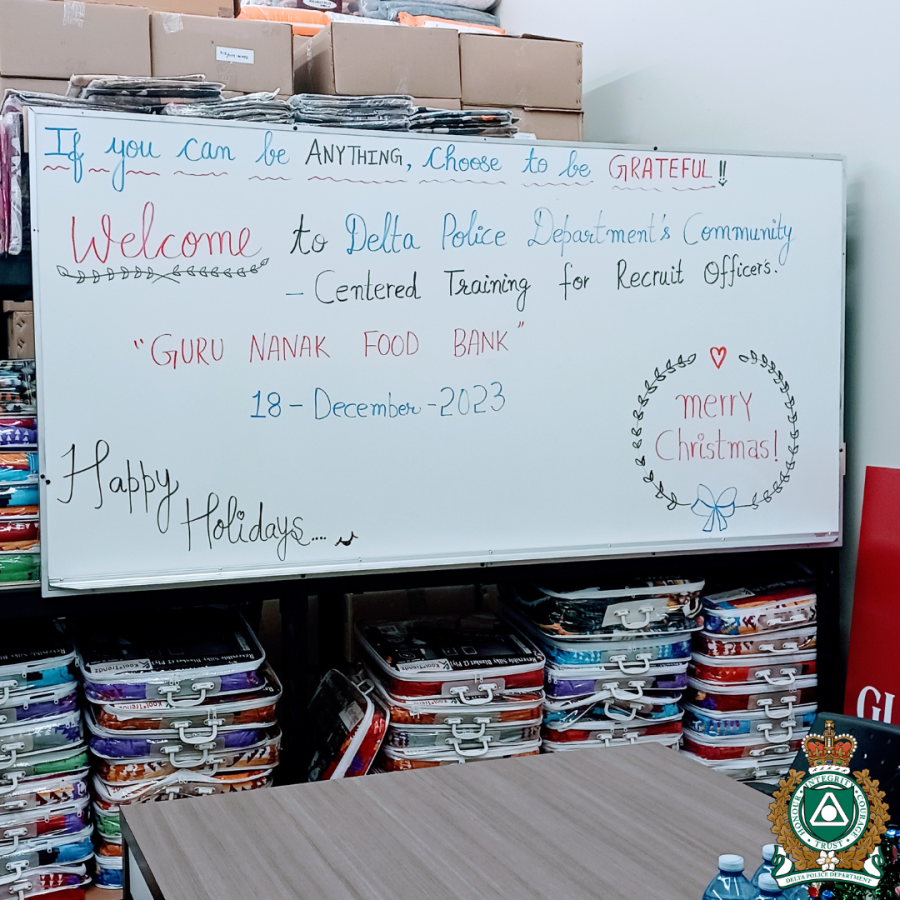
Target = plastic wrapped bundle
(263,106)
(472,12)
(381,112)
(486,122)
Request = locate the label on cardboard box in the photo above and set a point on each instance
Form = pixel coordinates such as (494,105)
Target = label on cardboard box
(233,55)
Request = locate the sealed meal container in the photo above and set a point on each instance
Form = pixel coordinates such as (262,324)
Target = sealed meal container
(518,707)
(219,710)
(34,794)
(754,722)
(34,655)
(758,610)
(462,737)
(648,605)
(393,759)
(577,681)
(726,698)
(474,658)
(347,724)
(619,734)
(779,671)
(59,850)
(174,757)
(564,714)
(781,741)
(780,643)
(181,658)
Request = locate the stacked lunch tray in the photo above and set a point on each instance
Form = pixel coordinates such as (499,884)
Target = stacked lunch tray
(45,830)
(20,558)
(457,689)
(617,658)
(751,694)
(180,707)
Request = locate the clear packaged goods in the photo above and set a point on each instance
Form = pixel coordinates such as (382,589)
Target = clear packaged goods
(744,697)
(747,723)
(780,742)
(649,605)
(779,671)
(348,725)
(474,658)
(180,659)
(757,610)
(393,759)
(577,681)
(784,642)
(34,655)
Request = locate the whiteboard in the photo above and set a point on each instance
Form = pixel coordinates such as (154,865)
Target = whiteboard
(267,352)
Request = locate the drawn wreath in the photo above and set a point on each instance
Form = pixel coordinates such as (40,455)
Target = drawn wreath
(717,509)
(805,858)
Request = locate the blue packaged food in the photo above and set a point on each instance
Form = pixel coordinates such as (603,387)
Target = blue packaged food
(754,722)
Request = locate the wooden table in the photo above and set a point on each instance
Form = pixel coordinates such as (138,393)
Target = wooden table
(639,821)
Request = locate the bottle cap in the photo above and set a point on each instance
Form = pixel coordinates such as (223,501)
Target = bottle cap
(768,883)
(768,852)
(731,862)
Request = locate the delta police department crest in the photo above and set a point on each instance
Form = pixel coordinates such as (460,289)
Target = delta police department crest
(829,824)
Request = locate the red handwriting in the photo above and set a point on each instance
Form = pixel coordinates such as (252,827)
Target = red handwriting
(476,343)
(390,345)
(715,406)
(164,351)
(673,445)
(281,348)
(646,168)
(148,246)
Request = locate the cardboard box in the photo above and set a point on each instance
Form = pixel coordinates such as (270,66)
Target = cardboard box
(20,335)
(53,39)
(346,58)
(218,8)
(547,124)
(34,85)
(245,55)
(437,103)
(520,71)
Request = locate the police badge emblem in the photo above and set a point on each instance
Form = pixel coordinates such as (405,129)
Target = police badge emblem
(828,824)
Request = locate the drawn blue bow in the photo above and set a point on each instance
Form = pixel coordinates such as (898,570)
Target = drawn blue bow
(714,510)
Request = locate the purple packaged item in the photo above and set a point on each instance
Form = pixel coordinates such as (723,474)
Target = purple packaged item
(181,658)
(30,706)
(563,682)
(27,737)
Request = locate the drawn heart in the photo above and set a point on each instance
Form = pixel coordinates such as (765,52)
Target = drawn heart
(718,355)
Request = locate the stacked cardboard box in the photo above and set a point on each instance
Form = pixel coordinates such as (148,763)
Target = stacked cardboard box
(539,79)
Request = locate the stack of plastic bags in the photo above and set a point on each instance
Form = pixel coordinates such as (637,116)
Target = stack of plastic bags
(20,559)
(617,658)
(263,106)
(383,112)
(485,122)
(457,689)
(751,694)
(179,706)
(45,830)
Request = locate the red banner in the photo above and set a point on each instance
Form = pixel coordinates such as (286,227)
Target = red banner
(873,673)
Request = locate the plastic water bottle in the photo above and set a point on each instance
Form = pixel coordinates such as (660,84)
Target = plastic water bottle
(793,893)
(768,888)
(730,883)
(765,867)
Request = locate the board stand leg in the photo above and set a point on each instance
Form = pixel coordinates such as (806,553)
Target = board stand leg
(298,676)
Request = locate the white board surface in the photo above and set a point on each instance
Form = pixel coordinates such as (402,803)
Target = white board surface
(265,352)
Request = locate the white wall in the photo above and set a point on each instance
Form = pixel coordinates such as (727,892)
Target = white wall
(771,75)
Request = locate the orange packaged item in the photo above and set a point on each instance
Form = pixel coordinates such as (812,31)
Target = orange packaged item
(302,21)
(434,22)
